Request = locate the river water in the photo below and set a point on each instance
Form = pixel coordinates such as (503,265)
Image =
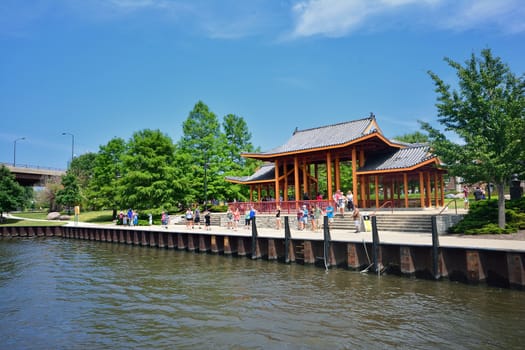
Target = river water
(71,294)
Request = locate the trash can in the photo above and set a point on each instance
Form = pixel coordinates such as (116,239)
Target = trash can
(367,223)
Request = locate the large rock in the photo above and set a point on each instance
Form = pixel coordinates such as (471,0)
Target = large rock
(64,218)
(54,215)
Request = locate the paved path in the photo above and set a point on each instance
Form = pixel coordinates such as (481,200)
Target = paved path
(385,237)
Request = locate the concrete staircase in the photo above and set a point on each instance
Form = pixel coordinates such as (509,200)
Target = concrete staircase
(389,222)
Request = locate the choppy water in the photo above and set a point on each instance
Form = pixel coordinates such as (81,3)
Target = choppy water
(69,294)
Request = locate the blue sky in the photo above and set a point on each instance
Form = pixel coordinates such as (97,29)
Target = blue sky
(104,68)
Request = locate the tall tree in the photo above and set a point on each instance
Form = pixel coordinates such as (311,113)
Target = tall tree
(104,191)
(487,113)
(199,148)
(149,179)
(12,195)
(69,195)
(235,139)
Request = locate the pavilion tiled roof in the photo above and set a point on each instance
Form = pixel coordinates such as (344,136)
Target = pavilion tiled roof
(404,158)
(265,172)
(398,159)
(325,136)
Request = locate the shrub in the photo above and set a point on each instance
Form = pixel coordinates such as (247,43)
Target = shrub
(483,218)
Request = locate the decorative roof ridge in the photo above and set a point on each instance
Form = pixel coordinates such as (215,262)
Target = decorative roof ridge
(410,145)
(332,125)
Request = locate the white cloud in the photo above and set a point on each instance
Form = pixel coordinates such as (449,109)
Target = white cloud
(506,15)
(336,18)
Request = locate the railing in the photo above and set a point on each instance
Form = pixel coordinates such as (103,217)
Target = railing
(29,166)
(287,207)
(446,206)
(384,206)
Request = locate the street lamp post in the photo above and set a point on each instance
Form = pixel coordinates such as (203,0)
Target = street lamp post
(72,144)
(205,187)
(14,150)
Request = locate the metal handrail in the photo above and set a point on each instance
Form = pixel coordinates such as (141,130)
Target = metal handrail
(384,205)
(446,206)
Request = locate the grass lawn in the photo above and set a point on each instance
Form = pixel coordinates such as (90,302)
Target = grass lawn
(16,222)
(101,217)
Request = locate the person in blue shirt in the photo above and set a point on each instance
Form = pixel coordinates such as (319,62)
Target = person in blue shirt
(330,213)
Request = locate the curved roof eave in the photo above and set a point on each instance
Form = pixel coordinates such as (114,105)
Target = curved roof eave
(373,134)
(433,159)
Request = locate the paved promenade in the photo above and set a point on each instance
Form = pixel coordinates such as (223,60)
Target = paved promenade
(508,243)
(385,237)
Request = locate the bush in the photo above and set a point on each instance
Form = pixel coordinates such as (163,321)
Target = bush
(483,218)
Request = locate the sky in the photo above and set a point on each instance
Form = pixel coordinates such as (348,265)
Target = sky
(99,69)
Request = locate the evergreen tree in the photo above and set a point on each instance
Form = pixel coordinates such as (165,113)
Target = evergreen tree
(69,195)
(12,194)
(487,113)
(149,178)
(104,191)
(200,150)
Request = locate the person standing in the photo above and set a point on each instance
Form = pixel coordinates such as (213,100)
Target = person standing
(236,218)
(318,214)
(329,210)
(197,219)
(339,200)
(207,220)
(278,217)
(350,200)
(229,218)
(465,197)
(356,216)
(189,218)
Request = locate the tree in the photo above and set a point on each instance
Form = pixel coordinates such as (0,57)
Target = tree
(12,194)
(487,113)
(415,137)
(149,179)
(69,195)
(235,140)
(200,150)
(107,169)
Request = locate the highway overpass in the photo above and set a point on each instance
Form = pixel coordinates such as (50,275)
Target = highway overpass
(31,175)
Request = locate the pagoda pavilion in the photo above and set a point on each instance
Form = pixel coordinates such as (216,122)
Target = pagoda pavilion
(383,172)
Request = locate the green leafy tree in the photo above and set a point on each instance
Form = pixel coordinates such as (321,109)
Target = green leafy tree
(199,150)
(104,191)
(82,167)
(149,178)
(69,196)
(235,139)
(487,114)
(12,194)
(415,137)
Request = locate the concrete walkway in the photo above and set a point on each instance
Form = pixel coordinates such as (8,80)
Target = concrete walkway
(385,237)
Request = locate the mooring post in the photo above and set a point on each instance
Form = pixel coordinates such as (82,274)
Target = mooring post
(375,244)
(435,249)
(254,239)
(287,237)
(327,239)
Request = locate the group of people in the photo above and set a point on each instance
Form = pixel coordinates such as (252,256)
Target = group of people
(233,218)
(479,194)
(193,217)
(314,213)
(131,218)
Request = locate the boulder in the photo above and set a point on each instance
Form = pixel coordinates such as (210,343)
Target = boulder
(64,218)
(54,215)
